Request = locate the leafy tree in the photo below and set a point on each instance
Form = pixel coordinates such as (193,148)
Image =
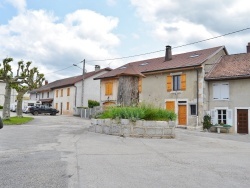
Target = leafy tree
(31,79)
(6,75)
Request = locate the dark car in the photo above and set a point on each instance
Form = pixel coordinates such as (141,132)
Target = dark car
(35,110)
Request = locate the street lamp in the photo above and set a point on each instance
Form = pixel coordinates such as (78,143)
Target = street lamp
(83,71)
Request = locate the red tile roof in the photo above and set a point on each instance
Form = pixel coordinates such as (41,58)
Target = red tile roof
(189,59)
(68,81)
(231,67)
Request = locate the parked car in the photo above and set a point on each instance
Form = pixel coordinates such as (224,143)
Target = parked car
(35,110)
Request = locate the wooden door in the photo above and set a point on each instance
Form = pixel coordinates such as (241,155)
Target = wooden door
(182,114)
(242,121)
(170,105)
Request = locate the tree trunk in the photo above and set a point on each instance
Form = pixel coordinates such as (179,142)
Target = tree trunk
(6,105)
(128,94)
(19,110)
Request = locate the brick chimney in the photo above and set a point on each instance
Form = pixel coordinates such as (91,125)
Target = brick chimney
(248,48)
(46,82)
(97,68)
(168,55)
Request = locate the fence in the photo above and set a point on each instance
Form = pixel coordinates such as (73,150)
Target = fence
(87,113)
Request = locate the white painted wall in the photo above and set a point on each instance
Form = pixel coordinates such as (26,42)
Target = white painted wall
(2,92)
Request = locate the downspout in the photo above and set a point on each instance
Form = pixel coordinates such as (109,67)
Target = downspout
(197,89)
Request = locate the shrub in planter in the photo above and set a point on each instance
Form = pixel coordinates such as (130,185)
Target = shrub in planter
(1,107)
(207,122)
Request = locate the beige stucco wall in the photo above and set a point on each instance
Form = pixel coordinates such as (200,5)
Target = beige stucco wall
(62,101)
(238,98)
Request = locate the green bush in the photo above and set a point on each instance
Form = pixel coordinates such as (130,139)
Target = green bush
(207,122)
(1,107)
(145,112)
(92,103)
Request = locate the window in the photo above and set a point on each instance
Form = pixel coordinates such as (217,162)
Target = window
(47,94)
(67,105)
(222,116)
(176,82)
(220,91)
(109,88)
(61,92)
(170,105)
(140,85)
(68,91)
(56,93)
(193,109)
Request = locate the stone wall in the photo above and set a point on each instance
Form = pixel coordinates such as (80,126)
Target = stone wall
(140,128)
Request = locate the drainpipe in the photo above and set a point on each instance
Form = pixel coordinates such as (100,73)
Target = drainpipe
(197,89)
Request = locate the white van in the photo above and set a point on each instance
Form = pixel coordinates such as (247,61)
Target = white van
(13,107)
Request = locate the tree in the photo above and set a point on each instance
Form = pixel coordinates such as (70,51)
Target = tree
(30,79)
(6,76)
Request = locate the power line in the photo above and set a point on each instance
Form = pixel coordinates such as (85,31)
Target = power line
(147,53)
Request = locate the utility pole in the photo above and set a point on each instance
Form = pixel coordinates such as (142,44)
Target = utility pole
(83,72)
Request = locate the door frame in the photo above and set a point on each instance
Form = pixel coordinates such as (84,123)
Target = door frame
(236,118)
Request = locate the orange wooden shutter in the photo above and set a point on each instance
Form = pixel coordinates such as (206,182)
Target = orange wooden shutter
(170,105)
(140,85)
(183,82)
(169,83)
(108,88)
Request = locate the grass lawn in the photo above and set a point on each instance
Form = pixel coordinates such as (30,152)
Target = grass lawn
(17,120)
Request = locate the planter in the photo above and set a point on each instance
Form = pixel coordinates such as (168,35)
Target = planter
(140,128)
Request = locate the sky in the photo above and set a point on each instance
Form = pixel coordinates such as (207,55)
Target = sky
(55,34)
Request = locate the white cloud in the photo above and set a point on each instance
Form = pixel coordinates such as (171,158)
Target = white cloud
(181,22)
(39,36)
(20,5)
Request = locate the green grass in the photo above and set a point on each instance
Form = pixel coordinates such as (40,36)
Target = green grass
(146,112)
(17,120)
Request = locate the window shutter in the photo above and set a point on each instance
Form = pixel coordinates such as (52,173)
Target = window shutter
(214,117)
(170,105)
(216,91)
(108,88)
(225,91)
(140,85)
(169,83)
(229,116)
(183,82)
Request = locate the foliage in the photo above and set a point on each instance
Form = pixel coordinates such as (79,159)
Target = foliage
(17,120)
(92,103)
(145,112)
(207,122)
(1,107)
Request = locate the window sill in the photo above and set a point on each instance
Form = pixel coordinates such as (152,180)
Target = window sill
(176,92)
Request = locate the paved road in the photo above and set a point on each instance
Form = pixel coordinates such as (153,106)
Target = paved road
(58,151)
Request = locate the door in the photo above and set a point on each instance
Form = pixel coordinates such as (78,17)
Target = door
(182,114)
(170,105)
(61,108)
(242,121)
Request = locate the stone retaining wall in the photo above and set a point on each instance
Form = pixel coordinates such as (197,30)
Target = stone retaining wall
(140,128)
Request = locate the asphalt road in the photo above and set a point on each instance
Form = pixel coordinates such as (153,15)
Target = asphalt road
(58,151)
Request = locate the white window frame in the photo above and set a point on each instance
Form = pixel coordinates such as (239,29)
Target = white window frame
(229,115)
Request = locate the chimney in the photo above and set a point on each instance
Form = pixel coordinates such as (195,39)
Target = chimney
(97,68)
(168,55)
(248,48)
(46,82)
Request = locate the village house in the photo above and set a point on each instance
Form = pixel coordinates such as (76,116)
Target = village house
(173,82)
(66,94)
(2,93)
(229,88)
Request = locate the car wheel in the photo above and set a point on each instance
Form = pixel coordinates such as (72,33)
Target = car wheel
(35,113)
